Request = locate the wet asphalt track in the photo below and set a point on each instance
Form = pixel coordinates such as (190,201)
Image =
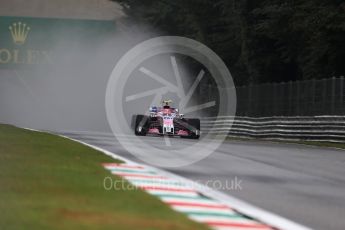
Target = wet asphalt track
(304,184)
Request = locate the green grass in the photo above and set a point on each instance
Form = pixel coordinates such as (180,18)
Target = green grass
(311,143)
(321,144)
(49,182)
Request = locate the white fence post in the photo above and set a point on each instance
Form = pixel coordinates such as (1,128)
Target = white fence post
(342,94)
(250,98)
(333,99)
(324,95)
(313,96)
(290,99)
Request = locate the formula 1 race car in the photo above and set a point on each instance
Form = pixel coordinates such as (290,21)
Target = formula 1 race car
(166,120)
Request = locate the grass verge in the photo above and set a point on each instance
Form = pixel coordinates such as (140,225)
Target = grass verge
(49,182)
(320,144)
(311,143)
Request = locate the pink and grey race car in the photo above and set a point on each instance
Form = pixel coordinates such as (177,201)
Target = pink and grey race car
(166,120)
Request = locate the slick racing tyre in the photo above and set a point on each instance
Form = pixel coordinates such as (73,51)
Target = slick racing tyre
(194,133)
(141,124)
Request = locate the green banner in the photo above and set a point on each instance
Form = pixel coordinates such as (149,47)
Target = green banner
(26,42)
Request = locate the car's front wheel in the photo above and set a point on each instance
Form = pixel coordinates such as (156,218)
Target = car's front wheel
(141,125)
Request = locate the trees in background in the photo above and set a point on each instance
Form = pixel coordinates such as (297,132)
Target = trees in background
(259,40)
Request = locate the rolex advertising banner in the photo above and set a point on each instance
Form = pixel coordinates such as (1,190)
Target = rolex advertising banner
(54,71)
(26,42)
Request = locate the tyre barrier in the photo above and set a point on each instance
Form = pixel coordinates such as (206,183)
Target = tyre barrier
(306,128)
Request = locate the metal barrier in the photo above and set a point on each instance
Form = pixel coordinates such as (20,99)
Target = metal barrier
(300,98)
(313,128)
